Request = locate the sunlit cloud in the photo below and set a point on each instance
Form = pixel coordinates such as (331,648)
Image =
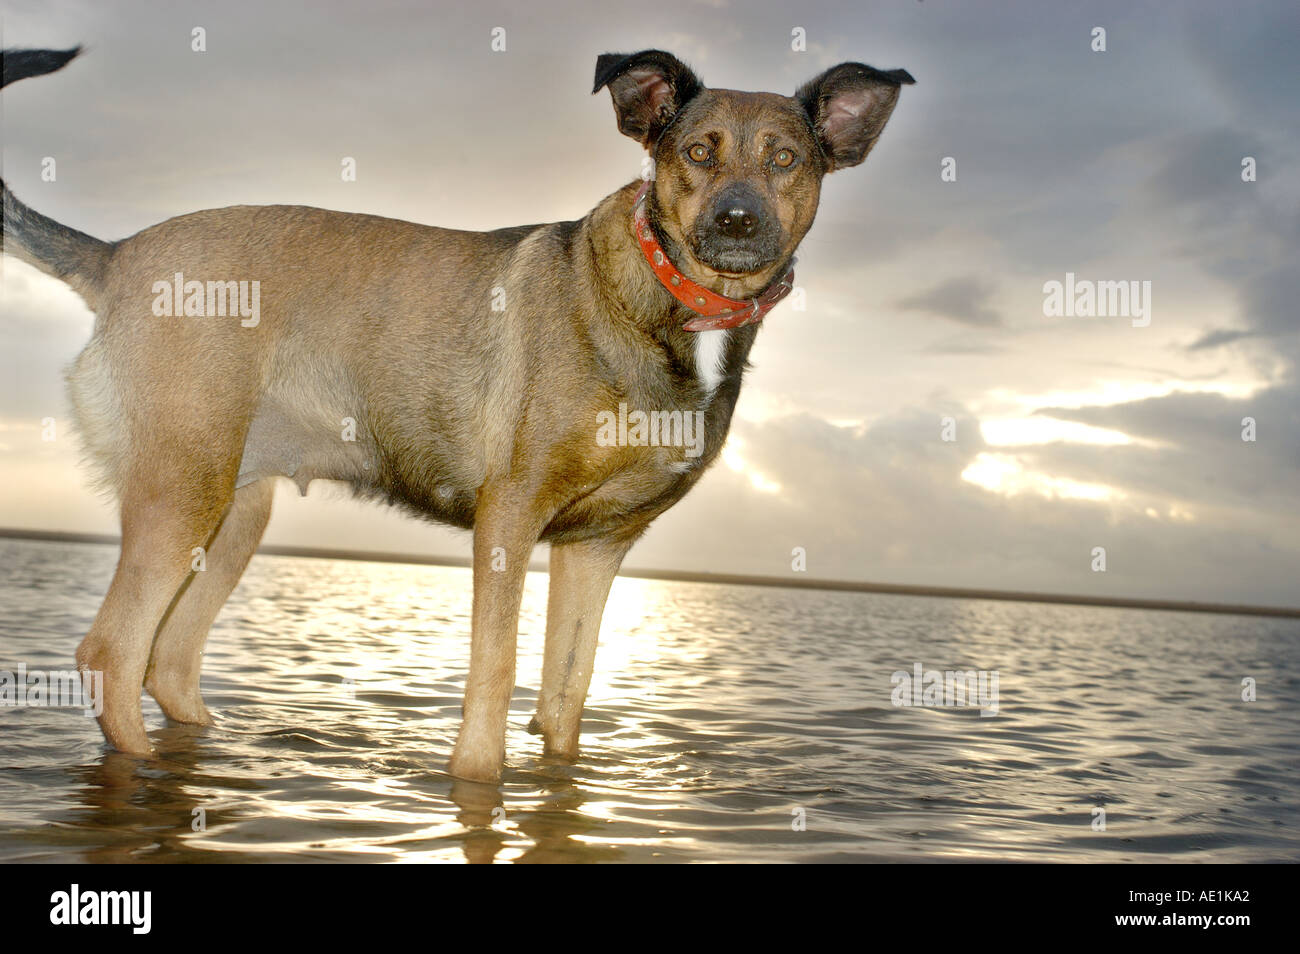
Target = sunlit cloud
(1022,431)
(731,456)
(1106,393)
(1004,474)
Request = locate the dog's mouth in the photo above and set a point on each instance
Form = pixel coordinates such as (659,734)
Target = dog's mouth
(738,261)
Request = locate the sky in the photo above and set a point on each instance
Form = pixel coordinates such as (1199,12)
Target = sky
(925,294)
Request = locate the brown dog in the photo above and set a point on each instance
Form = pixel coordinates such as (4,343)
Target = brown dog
(479,379)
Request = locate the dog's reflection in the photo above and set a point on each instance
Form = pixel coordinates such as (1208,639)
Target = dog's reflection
(132,810)
(553,822)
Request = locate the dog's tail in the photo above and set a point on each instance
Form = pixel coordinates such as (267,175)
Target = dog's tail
(74,257)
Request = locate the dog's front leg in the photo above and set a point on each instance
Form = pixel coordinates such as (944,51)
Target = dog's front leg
(507,524)
(581,575)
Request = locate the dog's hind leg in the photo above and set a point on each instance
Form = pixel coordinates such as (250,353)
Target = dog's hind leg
(174,489)
(160,528)
(581,575)
(177,658)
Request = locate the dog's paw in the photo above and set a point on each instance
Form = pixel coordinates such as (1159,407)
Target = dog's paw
(472,765)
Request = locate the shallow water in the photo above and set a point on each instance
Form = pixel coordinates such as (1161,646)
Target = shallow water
(720,718)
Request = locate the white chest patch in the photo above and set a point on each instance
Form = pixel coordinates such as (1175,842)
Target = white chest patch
(710,347)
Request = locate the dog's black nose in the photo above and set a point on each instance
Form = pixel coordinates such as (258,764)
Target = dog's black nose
(737,231)
(736,221)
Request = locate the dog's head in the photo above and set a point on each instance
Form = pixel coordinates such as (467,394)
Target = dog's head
(738,175)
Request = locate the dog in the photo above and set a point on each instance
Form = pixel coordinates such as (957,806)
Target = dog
(468,377)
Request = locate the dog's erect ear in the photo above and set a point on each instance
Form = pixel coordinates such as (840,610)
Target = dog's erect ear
(648,89)
(848,106)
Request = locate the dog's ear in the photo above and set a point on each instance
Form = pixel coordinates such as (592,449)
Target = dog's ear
(648,89)
(848,106)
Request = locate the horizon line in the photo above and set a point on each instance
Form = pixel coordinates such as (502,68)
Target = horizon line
(726,579)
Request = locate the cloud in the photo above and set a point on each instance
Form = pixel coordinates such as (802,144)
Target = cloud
(958,346)
(1124,164)
(1217,338)
(963,299)
(887,503)
(1202,457)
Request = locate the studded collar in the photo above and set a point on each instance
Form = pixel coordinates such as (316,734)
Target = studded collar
(714,310)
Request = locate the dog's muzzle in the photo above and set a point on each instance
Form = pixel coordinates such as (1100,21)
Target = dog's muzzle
(737,234)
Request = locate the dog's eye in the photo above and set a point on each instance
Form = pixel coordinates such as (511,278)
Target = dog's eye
(784,158)
(699,153)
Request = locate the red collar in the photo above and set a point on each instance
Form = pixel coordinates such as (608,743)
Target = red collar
(715,311)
